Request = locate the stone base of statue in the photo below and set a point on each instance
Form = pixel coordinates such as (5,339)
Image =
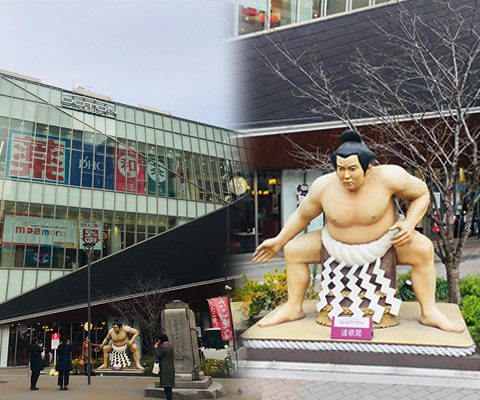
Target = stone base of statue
(178,322)
(409,344)
(203,388)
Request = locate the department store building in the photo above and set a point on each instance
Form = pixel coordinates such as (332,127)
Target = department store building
(76,168)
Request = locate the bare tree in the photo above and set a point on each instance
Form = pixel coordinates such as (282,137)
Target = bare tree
(143,300)
(420,90)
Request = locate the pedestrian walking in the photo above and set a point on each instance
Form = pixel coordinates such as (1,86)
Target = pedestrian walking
(64,363)
(164,356)
(35,351)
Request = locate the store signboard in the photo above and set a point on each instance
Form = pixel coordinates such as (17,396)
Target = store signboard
(129,172)
(37,158)
(34,230)
(92,164)
(89,105)
(157,177)
(90,232)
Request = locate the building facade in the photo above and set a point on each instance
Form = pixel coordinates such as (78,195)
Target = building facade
(76,167)
(252,16)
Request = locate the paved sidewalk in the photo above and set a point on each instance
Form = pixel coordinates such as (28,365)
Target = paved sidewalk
(270,381)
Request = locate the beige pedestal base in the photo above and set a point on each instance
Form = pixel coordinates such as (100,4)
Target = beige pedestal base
(407,344)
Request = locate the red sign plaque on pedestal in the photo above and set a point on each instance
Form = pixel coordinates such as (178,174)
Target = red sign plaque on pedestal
(351,328)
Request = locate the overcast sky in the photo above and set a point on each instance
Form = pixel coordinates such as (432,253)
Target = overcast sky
(167,54)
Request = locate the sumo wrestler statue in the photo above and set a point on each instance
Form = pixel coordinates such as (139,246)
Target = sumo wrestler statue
(358,203)
(123,338)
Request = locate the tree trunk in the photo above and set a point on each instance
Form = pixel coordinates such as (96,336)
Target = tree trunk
(453,279)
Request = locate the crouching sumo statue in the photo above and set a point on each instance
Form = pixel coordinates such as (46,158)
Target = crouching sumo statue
(358,203)
(123,339)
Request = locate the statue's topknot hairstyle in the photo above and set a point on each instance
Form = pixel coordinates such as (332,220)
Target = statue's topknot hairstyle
(352,144)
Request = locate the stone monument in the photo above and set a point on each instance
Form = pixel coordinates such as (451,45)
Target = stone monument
(178,323)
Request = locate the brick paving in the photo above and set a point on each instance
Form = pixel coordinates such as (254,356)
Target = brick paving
(330,386)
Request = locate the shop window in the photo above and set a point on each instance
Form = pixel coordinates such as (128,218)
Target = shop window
(251,15)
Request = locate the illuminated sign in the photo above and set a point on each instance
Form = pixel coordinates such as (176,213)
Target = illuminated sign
(89,106)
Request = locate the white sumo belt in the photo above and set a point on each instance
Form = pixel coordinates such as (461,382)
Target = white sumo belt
(358,254)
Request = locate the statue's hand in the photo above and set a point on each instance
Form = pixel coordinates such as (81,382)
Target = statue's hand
(267,250)
(129,344)
(404,235)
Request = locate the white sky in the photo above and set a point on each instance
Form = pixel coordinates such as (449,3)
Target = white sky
(167,54)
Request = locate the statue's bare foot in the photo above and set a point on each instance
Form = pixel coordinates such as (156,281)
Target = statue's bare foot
(140,367)
(284,313)
(438,320)
(103,366)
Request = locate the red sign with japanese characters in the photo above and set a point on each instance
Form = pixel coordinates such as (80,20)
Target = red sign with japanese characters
(220,313)
(130,175)
(37,157)
(351,328)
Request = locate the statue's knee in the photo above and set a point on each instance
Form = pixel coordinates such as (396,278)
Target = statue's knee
(290,250)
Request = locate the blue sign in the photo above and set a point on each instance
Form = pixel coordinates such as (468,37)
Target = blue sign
(95,165)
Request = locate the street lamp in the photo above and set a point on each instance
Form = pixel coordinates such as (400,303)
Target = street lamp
(89,247)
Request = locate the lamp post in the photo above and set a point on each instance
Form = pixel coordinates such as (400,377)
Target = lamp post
(89,247)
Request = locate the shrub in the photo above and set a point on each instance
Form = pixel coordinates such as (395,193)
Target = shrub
(470,285)
(257,297)
(148,365)
(217,368)
(406,293)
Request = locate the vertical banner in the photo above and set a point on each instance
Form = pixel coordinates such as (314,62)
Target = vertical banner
(130,174)
(157,177)
(222,316)
(37,157)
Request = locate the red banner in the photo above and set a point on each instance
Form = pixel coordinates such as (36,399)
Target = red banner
(220,312)
(130,175)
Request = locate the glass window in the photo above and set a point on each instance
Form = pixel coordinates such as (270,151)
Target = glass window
(141,134)
(193,129)
(150,136)
(335,6)
(159,139)
(168,139)
(19,89)
(5,106)
(209,131)
(167,123)
(251,15)
(176,125)
(158,121)
(359,4)
(148,119)
(3,144)
(131,132)
(177,140)
(130,114)
(184,127)
(108,233)
(121,112)
(139,117)
(17,108)
(6,87)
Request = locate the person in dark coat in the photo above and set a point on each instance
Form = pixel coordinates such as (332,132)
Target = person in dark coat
(64,363)
(164,356)
(35,350)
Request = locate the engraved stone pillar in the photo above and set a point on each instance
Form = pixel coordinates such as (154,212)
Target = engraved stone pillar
(178,323)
